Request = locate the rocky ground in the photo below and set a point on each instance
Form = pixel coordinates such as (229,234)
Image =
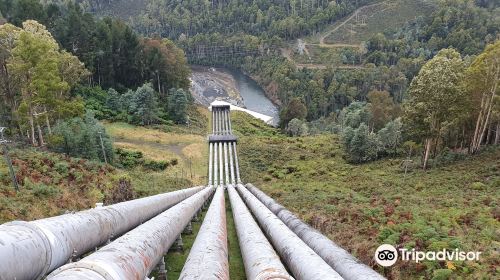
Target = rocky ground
(209,84)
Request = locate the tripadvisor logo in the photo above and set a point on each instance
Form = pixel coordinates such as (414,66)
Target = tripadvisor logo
(387,255)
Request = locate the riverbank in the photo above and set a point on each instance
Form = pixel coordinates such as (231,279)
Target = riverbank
(209,84)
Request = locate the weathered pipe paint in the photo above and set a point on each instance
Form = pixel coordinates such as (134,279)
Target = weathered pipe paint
(136,253)
(208,258)
(260,260)
(339,259)
(29,250)
(304,263)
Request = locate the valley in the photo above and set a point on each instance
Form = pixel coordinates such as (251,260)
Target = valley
(381,126)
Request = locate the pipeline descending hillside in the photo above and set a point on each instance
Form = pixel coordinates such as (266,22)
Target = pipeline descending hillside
(274,243)
(29,250)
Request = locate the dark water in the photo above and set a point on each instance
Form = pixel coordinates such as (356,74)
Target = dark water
(253,96)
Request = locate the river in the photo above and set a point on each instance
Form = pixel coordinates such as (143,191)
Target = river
(231,85)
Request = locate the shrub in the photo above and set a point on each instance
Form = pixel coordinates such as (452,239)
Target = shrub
(80,137)
(156,165)
(62,168)
(122,191)
(360,144)
(477,186)
(441,274)
(42,190)
(129,159)
(297,127)
(447,156)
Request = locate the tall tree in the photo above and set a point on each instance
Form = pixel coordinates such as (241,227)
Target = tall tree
(382,108)
(483,83)
(177,105)
(144,105)
(44,75)
(436,99)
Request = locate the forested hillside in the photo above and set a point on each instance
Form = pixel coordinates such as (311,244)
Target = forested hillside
(173,19)
(61,67)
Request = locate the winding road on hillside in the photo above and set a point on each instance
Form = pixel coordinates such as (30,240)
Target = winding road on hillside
(327,33)
(287,52)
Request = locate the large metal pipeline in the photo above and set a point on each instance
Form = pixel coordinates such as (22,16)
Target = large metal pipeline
(226,120)
(213,120)
(216,164)
(339,259)
(229,121)
(223,119)
(221,165)
(260,260)
(226,164)
(219,120)
(208,258)
(236,164)
(136,253)
(29,250)
(304,263)
(210,164)
(231,163)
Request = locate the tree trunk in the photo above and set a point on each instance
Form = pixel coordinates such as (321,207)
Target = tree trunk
(428,145)
(32,126)
(47,121)
(40,134)
(478,125)
(488,133)
(497,134)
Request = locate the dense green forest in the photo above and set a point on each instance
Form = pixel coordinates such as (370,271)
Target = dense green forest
(374,106)
(174,19)
(61,68)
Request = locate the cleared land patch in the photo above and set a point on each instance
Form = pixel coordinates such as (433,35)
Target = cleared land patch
(374,19)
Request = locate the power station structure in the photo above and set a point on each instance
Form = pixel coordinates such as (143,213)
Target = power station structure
(129,240)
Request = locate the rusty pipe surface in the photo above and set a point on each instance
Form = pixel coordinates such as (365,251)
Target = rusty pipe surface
(260,260)
(304,263)
(339,259)
(136,253)
(208,258)
(29,250)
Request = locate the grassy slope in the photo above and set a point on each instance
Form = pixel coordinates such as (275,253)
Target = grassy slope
(182,143)
(363,206)
(186,144)
(50,184)
(382,18)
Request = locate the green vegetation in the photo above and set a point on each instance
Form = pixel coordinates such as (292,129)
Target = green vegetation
(51,184)
(183,153)
(387,15)
(79,137)
(263,18)
(56,66)
(360,207)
